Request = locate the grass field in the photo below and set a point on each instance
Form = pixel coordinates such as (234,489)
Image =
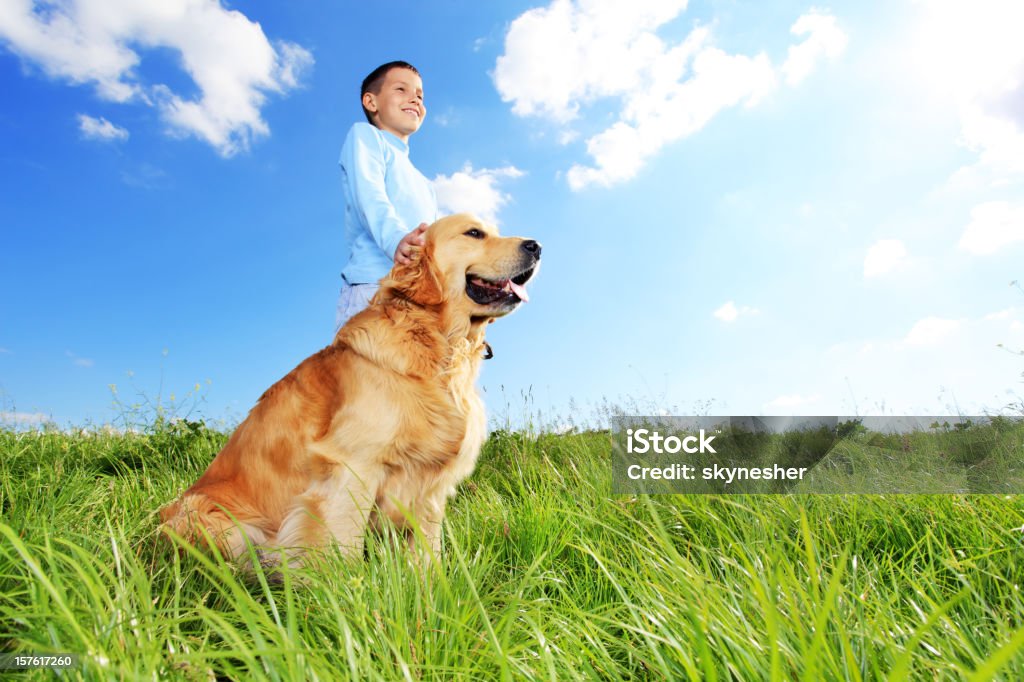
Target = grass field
(545,575)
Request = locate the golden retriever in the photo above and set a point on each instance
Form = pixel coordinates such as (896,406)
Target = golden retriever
(384,422)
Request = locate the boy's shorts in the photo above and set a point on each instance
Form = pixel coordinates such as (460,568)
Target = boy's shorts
(352,299)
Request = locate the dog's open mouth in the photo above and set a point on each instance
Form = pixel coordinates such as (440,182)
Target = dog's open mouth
(489,292)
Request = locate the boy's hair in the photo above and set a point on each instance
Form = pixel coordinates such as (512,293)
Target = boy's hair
(373,82)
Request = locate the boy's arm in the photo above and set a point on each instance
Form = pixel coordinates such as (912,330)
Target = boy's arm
(363,161)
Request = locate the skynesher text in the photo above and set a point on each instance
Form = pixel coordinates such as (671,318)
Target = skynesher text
(688,472)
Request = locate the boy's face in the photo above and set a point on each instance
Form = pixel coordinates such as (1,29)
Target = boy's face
(398,108)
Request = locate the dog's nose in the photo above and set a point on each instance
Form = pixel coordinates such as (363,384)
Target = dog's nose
(531,247)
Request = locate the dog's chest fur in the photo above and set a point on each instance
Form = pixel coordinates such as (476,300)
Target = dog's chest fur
(429,449)
(448,411)
(438,433)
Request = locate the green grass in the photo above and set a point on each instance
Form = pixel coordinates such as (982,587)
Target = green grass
(545,575)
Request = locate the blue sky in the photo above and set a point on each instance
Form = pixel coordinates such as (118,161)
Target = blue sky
(746,208)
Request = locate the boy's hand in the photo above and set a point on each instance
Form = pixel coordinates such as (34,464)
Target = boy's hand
(408,245)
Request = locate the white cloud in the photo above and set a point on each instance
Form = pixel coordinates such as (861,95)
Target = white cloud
(559,56)
(825,40)
(562,57)
(884,256)
(974,54)
(100,129)
(931,331)
(652,120)
(994,224)
(24,418)
(101,42)
(728,312)
(567,137)
(474,191)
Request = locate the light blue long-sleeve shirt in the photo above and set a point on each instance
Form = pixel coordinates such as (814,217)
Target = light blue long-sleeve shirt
(385,199)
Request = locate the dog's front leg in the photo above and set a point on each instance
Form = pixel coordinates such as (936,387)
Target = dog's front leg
(337,508)
(347,509)
(429,514)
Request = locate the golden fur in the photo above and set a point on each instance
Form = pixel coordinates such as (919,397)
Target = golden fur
(383,422)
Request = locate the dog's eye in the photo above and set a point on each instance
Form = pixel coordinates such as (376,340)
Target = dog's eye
(474,233)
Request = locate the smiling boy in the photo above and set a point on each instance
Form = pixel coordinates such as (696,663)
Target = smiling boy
(385,195)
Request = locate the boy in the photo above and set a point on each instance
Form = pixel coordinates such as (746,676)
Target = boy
(385,196)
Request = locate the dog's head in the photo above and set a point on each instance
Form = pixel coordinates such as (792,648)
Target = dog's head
(466,264)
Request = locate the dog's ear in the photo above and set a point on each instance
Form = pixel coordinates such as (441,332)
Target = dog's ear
(418,281)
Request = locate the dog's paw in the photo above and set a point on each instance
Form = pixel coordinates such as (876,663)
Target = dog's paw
(271,562)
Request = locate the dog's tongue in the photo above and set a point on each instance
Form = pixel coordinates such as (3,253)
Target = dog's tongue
(518,289)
